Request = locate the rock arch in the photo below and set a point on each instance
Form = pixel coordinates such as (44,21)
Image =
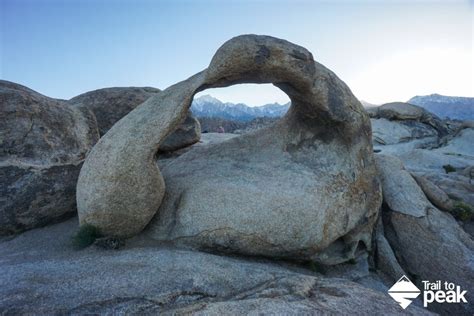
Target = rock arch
(325,136)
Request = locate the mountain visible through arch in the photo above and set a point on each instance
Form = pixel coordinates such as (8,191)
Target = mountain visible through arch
(208,106)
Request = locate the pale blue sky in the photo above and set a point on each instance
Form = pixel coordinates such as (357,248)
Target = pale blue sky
(384,50)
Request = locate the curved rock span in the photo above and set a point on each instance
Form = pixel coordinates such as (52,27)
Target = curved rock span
(303,188)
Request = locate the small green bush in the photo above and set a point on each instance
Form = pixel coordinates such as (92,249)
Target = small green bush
(462,211)
(85,236)
(449,168)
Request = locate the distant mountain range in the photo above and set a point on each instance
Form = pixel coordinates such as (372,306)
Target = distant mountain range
(461,108)
(208,106)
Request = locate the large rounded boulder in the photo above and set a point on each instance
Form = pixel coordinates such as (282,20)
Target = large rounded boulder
(111,104)
(303,188)
(43,144)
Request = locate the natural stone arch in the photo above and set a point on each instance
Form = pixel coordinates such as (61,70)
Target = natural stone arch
(120,187)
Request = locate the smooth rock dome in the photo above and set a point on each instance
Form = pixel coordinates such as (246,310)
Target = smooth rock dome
(303,188)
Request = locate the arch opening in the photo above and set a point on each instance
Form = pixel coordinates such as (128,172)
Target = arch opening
(239,108)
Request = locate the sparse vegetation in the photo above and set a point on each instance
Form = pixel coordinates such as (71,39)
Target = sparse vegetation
(462,211)
(449,168)
(85,236)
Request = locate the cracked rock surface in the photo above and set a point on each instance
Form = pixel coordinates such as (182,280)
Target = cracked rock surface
(41,274)
(429,244)
(43,144)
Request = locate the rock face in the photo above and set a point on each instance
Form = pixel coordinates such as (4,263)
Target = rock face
(400,111)
(400,190)
(387,132)
(427,146)
(111,104)
(188,133)
(430,244)
(406,111)
(436,196)
(399,122)
(385,259)
(461,143)
(43,143)
(303,188)
(42,274)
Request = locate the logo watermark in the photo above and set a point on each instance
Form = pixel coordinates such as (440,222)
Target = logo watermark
(404,292)
(446,292)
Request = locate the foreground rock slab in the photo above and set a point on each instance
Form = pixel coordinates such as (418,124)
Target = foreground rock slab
(43,144)
(41,274)
(304,188)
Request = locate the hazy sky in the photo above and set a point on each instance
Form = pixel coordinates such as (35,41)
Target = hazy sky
(384,50)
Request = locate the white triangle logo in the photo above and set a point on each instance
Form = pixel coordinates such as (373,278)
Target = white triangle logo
(404,292)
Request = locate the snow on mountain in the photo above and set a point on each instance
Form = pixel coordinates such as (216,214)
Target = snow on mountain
(208,106)
(461,108)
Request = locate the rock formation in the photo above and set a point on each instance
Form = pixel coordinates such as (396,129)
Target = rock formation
(187,133)
(434,194)
(111,104)
(399,122)
(429,244)
(43,144)
(426,146)
(304,188)
(51,278)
